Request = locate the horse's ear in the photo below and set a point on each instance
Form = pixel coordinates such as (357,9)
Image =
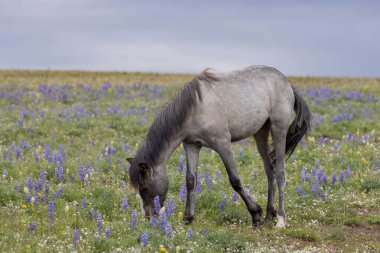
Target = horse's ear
(130,160)
(143,168)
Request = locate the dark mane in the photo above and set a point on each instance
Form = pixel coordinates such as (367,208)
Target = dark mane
(168,122)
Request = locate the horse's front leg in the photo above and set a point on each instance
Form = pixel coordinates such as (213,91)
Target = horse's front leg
(192,156)
(224,149)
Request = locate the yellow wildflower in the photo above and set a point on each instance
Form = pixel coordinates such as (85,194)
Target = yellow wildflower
(26,190)
(24,206)
(162,249)
(180,215)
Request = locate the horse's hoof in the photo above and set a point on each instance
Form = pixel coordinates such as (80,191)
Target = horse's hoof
(270,215)
(257,224)
(280,222)
(188,220)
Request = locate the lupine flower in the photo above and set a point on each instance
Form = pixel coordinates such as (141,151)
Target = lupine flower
(341,177)
(108,232)
(303,174)
(293,159)
(234,197)
(208,181)
(163,220)
(198,186)
(153,220)
(168,230)
(221,206)
(156,204)
(182,192)
(51,209)
(59,171)
(348,171)
(324,178)
(333,179)
(190,233)
(17,186)
(36,156)
(47,185)
(315,188)
(32,226)
(81,173)
(308,178)
(180,163)
(5,174)
(92,212)
(124,203)
(84,203)
(204,232)
(88,169)
(47,152)
(99,222)
(133,220)
(60,192)
(336,146)
(28,198)
(38,185)
(29,183)
(144,238)
(43,198)
(76,235)
(317,164)
(169,210)
(313,171)
(300,191)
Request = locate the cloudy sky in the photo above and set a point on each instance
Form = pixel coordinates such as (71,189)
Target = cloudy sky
(324,37)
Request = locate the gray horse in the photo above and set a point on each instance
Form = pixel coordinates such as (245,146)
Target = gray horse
(213,110)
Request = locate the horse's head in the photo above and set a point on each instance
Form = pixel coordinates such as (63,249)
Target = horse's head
(149,183)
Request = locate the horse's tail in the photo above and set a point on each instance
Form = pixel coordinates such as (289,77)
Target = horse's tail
(300,127)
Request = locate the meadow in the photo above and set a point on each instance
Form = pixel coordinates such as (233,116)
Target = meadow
(65,137)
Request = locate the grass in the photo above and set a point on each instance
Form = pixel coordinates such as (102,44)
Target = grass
(97,119)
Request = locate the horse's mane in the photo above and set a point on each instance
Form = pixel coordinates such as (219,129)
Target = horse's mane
(168,122)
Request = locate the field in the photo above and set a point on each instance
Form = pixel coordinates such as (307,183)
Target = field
(64,138)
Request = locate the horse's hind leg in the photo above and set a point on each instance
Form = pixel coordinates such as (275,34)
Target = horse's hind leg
(224,149)
(192,155)
(261,138)
(279,129)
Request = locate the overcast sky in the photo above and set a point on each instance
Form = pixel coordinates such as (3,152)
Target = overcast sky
(334,38)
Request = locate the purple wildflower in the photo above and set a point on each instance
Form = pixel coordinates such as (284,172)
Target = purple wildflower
(315,188)
(293,159)
(218,174)
(300,191)
(168,230)
(182,192)
(204,232)
(81,173)
(317,164)
(59,171)
(84,203)
(133,220)
(153,220)
(348,171)
(221,206)
(38,185)
(108,232)
(144,238)
(333,179)
(5,174)
(47,185)
(76,235)
(47,153)
(51,209)
(341,177)
(208,181)
(303,174)
(92,212)
(156,204)
(170,207)
(124,203)
(324,178)
(28,198)
(198,186)
(163,220)
(190,233)
(336,146)
(88,169)
(29,183)
(32,226)
(180,163)
(241,153)
(99,222)
(36,156)
(234,197)
(17,186)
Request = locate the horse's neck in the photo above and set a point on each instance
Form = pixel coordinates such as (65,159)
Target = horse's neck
(172,145)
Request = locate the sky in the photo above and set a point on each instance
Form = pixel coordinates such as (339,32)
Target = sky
(304,38)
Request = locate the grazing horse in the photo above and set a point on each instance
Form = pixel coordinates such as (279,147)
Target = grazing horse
(213,110)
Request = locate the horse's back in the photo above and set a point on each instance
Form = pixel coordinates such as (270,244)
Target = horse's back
(241,101)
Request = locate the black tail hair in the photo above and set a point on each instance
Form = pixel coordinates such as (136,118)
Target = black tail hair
(300,127)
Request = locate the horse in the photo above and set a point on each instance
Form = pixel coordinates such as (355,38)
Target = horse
(213,110)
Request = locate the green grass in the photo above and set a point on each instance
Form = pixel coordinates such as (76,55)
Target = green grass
(82,117)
